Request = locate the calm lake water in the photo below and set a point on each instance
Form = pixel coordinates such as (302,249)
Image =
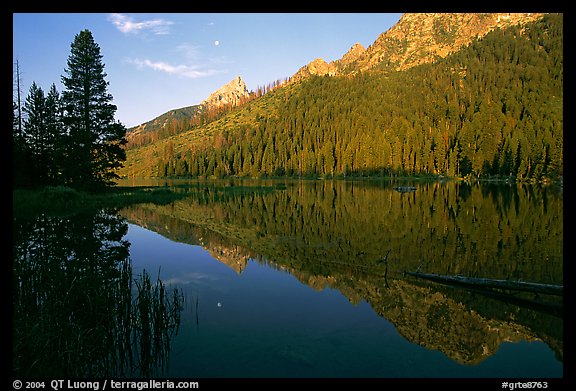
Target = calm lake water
(295,279)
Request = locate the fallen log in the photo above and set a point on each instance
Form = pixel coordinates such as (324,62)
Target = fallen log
(557,290)
(405,189)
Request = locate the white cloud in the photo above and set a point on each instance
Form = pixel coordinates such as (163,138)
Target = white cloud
(187,71)
(127,25)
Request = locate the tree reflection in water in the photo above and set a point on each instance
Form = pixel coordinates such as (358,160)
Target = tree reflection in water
(78,310)
(360,238)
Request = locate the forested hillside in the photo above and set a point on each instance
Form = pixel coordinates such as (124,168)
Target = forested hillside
(170,123)
(492,108)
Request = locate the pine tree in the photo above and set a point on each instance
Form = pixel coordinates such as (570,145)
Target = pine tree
(54,135)
(95,139)
(35,134)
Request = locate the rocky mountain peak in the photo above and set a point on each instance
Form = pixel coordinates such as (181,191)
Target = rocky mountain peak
(352,55)
(415,39)
(316,67)
(229,94)
(422,37)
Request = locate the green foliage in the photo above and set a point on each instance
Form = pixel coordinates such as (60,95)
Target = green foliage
(64,201)
(330,227)
(335,234)
(97,140)
(38,146)
(491,109)
(164,126)
(70,139)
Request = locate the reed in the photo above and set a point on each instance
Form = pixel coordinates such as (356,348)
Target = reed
(80,311)
(156,320)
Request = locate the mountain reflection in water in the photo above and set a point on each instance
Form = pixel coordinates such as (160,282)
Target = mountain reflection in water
(334,234)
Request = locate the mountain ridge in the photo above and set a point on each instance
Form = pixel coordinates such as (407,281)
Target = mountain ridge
(415,39)
(232,94)
(469,112)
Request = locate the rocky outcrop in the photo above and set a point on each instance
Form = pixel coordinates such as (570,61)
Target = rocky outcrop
(351,56)
(317,67)
(423,37)
(432,319)
(417,38)
(233,93)
(235,257)
(230,94)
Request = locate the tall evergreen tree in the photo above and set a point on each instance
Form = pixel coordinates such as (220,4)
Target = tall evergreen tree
(35,134)
(55,136)
(95,139)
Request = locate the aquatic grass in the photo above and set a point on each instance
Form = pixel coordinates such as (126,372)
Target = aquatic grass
(57,337)
(157,318)
(78,310)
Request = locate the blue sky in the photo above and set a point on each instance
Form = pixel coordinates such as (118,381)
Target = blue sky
(159,62)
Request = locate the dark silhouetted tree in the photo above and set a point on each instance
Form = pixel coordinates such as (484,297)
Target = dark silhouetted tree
(95,140)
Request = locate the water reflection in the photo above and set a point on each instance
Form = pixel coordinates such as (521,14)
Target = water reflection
(335,234)
(78,310)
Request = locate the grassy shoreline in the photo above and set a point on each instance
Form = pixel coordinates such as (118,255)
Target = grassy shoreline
(63,201)
(66,201)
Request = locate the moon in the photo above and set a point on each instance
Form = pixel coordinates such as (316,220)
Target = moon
(216,43)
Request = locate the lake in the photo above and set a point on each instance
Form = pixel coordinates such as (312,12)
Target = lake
(288,278)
